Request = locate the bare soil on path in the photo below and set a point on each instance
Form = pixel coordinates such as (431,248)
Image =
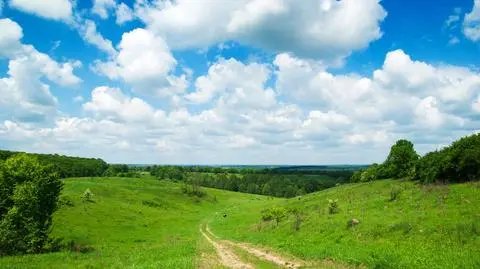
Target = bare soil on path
(227,256)
(230,260)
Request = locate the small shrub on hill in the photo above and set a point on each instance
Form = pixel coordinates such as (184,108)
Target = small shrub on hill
(276,214)
(395,193)
(333,206)
(87,196)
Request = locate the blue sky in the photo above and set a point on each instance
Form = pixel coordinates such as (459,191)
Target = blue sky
(244,82)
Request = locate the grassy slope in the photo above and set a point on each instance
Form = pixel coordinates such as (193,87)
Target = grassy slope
(426,227)
(133,223)
(142,223)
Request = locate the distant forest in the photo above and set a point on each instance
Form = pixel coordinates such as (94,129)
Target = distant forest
(458,162)
(66,166)
(280,182)
(288,181)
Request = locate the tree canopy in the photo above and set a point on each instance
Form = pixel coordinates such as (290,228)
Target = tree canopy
(29,194)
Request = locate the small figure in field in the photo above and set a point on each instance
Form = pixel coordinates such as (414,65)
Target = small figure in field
(224,215)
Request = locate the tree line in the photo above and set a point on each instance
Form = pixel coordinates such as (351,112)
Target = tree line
(458,162)
(261,181)
(66,166)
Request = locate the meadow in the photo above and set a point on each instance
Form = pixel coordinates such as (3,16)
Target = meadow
(147,223)
(420,226)
(130,223)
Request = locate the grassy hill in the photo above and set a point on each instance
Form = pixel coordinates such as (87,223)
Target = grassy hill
(146,223)
(131,223)
(424,227)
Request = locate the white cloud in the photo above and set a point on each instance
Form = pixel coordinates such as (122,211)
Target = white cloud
(88,31)
(145,62)
(124,14)
(453,40)
(24,93)
(240,141)
(453,19)
(102,7)
(78,99)
(50,9)
(112,104)
(226,79)
(471,22)
(368,137)
(272,25)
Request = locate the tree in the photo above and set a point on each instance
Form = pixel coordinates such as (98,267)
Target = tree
(29,193)
(401,161)
(370,174)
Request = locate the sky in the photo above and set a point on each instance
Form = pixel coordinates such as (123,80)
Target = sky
(237,81)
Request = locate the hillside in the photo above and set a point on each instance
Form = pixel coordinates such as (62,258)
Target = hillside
(429,226)
(146,223)
(131,223)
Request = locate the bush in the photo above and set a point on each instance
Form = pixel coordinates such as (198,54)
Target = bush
(193,189)
(65,201)
(333,206)
(276,213)
(395,193)
(87,196)
(458,162)
(297,220)
(29,195)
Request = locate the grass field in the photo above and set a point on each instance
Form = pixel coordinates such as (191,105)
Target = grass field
(146,223)
(132,223)
(425,227)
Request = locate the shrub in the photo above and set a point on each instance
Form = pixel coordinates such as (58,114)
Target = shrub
(395,193)
(370,174)
(297,221)
(458,162)
(29,195)
(276,214)
(87,196)
(65,201)
(333,206)
(193,189)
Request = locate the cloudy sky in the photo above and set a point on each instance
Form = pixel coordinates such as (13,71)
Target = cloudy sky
(237,81)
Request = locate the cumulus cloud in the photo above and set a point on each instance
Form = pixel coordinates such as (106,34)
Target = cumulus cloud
(226,79)
(124,14)
(88,31)
(112,104)
(273,25)
(49,9)
(471,22)
(102,7)
(145,62)
(24,93)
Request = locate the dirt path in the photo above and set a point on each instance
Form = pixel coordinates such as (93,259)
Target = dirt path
(227,257)
(262,254)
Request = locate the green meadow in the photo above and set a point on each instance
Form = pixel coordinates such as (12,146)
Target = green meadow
(425,226)
(130,223)
(147,223)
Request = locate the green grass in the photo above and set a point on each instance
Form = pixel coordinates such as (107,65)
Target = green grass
(132,223)
(425,227)
(146,223)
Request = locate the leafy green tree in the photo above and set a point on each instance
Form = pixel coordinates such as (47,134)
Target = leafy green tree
(29,194)
(401,161)
(370,174)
